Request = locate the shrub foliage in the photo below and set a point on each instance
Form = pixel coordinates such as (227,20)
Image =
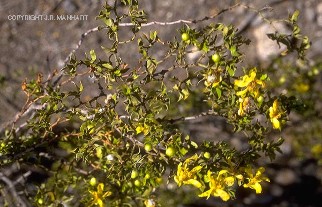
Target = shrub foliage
(112,128)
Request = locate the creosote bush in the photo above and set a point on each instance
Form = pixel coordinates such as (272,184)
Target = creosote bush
(117,125)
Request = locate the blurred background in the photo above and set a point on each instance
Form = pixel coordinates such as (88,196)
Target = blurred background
(31,47)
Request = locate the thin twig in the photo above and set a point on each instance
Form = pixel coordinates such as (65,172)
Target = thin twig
(22,177)
(80,43)
(180,21)
(189,118)
(28,108)
(12,190)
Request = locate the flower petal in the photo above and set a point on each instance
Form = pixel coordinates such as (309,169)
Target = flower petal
(205,194)
(221,172)
(100,188)
(246,80)
(99,202)
(193,182)
(196,169)
(242,93)
(191,159)
(257,187)
(276,123)
(222,194)
(229,181)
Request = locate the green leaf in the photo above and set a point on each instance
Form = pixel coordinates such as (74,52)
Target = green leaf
(108,22)
(263,77)
(151,66)
(204,46)
(81,87)
(225,30)
(306,43)
(117,73)
(153,35)
(218,91)
(295,16)
(233,51)
(296,31)
(194,144)
(230,71)
(183,151)
(108,66)
(93,56)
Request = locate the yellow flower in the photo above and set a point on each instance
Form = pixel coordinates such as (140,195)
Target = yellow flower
(99,195)
(275,112)
(240,179)
(254,181)
(243,106)
(142,128)
(188,176)
(250,84)
(302,87)
(229,181)
(213,80)
(218,184)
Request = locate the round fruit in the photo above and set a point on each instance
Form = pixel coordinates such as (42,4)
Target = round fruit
(215,57)
(92,182)
(99,153)
(137,183)
(159,180)
(206,155)
(148,147)
(40,201)
(185,36)
(260,99)
(147,176)
(134,174)
(170,152)
(282,80)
